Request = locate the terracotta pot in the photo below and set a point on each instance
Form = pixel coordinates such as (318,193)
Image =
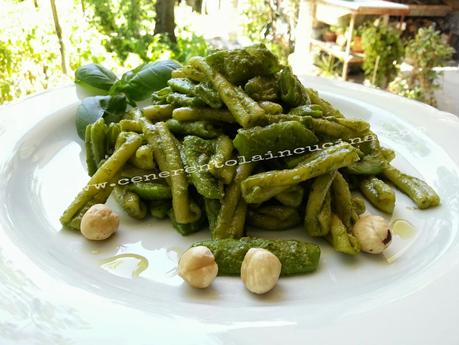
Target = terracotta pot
(357,44)
(329,36)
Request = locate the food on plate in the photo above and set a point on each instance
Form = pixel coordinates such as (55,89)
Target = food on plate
(197,267)
(260,270)
(99,222)
(373,234)
(231,141)
(295,256)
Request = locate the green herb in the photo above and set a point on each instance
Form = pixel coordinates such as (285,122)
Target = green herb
(95,78)
(426,51)
(139,83)
(110,108)
(383,51)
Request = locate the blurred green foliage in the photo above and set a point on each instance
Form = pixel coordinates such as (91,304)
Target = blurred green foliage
(272,23)
(383,52)
(424,52)
(128,25)
(115,33)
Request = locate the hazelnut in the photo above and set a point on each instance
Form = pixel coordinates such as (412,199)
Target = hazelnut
(197,267)
(260,270)
(373,234)
(99,222)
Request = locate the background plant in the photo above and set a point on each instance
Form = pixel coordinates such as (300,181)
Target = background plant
(383,52)
(127,25)
(328,65)
(425,52)
(117,34)
(272,22)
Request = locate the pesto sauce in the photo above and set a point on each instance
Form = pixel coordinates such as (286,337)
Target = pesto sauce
(297,257)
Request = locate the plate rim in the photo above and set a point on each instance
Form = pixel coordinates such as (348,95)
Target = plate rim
(324,84)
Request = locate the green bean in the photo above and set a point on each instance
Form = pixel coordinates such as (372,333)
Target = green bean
(239,65)
(212,208)
(229,204)
(293,161)
(91,163)
(388,154)
(123,136)
(130,171)
(418,191)
(330,129)
(379,194)
(182,85)
(296,257)
(99,140)
(358,204)
(223,153)
(274,217)
(237,224)
(261,194)
(196,114)
(160,96)
(370,146)
(292,197)
(307,110)
(143,157)
(114,129)
(371,164)
(271,107)
(159,209)
(262,88)
(327,108)
(291,91)
(318,163)
(130,202)
(100,198)
(316,202)
(340,239)
(131,126)
(181,100)
(188,228)
(197,155)
(106,172)
(188,72)
(208,95)
(245,110)
(204,129)
(358,207)
(304,120)
(342,198)
(150,190)
(167,155)
(355,125)
(158,112)
(325,213)
(275,138)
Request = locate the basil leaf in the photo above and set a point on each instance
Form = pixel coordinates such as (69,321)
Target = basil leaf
(91,109)
(139,83)
(95,78)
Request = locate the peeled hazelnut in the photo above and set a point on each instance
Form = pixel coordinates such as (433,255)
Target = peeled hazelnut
(99,222)
(260,270)
(373,234)
(197,267)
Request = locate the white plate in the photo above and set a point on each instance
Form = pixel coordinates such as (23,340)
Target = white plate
(55,288)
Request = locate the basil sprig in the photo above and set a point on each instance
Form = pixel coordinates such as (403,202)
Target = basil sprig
(135,85)
(110,108)
(139,83)
(95,78)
